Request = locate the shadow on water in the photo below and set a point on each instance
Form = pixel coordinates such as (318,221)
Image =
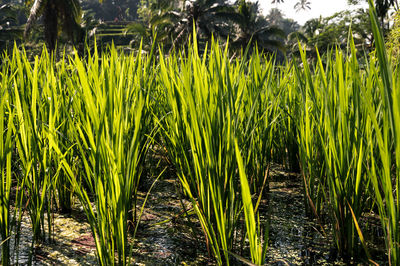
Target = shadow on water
(165,236)
(295,238)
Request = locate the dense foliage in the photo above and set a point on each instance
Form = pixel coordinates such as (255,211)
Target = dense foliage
(127,22)
(84,127)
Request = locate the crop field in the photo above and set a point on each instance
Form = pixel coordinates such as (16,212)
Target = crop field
(86,132)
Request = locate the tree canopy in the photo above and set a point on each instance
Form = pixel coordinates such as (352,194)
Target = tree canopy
(127,22)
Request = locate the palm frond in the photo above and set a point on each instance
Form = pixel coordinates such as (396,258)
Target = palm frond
(34,14)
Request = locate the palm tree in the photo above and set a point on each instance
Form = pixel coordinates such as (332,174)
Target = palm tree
(158,19)
(382,8)
(255,29)
(207,16)
(175,21)
(58,16)
(302,5)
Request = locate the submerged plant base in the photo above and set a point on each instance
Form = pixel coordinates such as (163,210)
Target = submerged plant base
(296,239)
(71,243)
(164,236)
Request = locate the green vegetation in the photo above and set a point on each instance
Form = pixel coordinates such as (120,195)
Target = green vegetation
(125,23)
(111,133)
(205,111)
(85,127)
(6,122)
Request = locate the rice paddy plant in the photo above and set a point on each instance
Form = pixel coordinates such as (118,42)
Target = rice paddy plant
(310,146)
(262,114)
(344,153)
(12,187)
(309,85)
(198,104)
(210,102)
(337,117)
(111,135)
(64,137)
(6,149)
(32,96)
(284,135)
(258,249)
(385,154)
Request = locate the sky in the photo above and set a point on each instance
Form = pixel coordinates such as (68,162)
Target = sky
(318,8)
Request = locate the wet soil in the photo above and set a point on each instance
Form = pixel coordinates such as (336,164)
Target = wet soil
(165,236)
(298,239)
(295,238)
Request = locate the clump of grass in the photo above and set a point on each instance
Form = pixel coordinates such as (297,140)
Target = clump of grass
(333,143)
(83,127)
(33,90)
(6,150)
(385,155)
(210,101)
(111,135)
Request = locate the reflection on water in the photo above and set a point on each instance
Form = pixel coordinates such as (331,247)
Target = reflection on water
(164,236)
(295,238)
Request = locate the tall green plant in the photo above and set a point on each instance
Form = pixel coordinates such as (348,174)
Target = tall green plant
(6,149)
(337,118)
(385,158)
(258,249)
(211,101)
(111,136)
(34,129)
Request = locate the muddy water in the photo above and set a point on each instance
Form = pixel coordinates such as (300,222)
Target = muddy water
(295,239)
(70,244)
(165,237)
